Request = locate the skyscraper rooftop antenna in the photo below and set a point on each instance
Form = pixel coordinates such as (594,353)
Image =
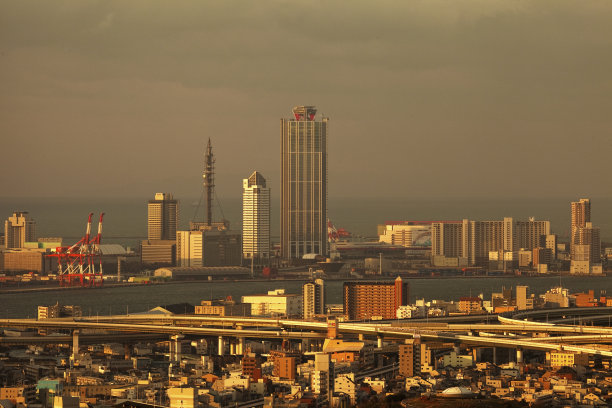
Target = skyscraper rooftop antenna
(209,180)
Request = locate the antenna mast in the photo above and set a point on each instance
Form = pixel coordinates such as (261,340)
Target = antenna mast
(209,181)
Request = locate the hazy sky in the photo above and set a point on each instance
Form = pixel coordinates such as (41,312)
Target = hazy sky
(425,97)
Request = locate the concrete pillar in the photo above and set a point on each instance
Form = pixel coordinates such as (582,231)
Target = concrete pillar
(240,349)
(232,347)
(519,356)
(457,349)
(175,347)
(75,345)
(221,345)
(379,342)
(361,337)
(495,355)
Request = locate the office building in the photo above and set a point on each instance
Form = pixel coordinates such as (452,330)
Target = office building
(374,299)
(275,303)
(222,248)
(158,252)
(19,229)
(163,217)
(313,298)
(256,219)
(189,248)
(27,260)
(303,184)
(208,248)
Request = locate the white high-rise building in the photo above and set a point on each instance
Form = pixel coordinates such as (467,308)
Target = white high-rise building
(18,230)
(313,298)
(255,219)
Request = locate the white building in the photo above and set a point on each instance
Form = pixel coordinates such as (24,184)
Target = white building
(457,360)
(345,384)
(322,375)
(319,381)
(313,294)
(182,397)
(275,303)
(409,234)
(411,312)
(189,248)
(255,218)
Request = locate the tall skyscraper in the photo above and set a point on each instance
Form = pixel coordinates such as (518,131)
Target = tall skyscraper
(585,240)
(313,300)
(18,230)
(255,219)
(581,214)
(163,217)
(303,184)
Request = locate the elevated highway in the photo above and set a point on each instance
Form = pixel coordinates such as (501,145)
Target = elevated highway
(520,331)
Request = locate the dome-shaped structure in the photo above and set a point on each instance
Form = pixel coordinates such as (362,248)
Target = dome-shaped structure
(457,392)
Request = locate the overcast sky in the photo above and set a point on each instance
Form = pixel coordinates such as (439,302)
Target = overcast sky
(425,97)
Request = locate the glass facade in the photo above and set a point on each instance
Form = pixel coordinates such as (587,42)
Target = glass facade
(303,185)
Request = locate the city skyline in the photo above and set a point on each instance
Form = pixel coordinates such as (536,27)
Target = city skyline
(436,87)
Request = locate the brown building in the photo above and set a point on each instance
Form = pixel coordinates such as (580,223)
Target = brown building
(410,358)
(586,299)
(374,299)
(286,367)
(163,217)
(22,395)
(26,261)
(470,305)
(158,252)
(251,366)
(284,363)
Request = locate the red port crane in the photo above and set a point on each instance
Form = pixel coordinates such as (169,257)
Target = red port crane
(77,263)
(334,234)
